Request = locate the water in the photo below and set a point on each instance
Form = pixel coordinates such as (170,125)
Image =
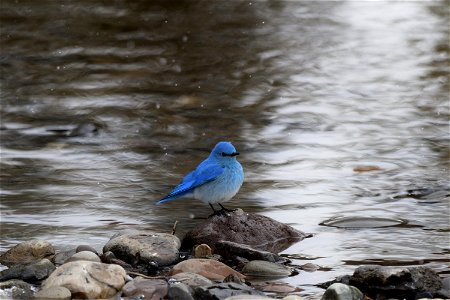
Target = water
(339,110)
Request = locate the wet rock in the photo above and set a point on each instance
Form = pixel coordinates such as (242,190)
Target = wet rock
(208,268)
(292,297)
(17,289)
(86,279)
(192,279)
(396,282)
(340,291)
(32,272)
(86,248)
(276,287)
(261,268)
(257,231)
(230,250)
(154,289)
(248,297)
(444,292)
(180,291)
(202,251)
(84,255)
(62,256)
(57,292)
(224,290)
(144,247)
(310,267)
(27,252)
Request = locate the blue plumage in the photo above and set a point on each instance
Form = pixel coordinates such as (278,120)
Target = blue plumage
(217,179)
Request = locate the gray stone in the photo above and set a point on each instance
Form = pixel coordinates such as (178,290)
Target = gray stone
(27,252)
(229,250)
(57,292)
(224,290)
(86,248)
(340,291)
(62,256)
(86,279)
(32,272)
(17,289)
(180,291)
(259,232)
(154,289)
(396,282)
(192,279)
(248,297)
(84,255)
(261,268)
(292,297)
(144,247)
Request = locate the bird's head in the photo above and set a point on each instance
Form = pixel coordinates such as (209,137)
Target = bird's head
(224,151)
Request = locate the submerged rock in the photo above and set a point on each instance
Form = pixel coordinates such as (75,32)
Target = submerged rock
(208,268)
(261,268)
(144,247)
(146,288)
(19,289)
(340,291)
(257,231)
(27,252)
(32,272)
(86,279)
(396,282)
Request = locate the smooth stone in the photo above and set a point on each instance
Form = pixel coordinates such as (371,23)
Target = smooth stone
(84,255)
(229,250)
(180,291)
(57,292)
(208,268)
(396,282)
(86,279)
(340,291)
(249,297)
(202,251)
(192,279)
(147,288)
(31,272)
(261,268)
(276,287)
(224,290)
(292,297)
(86,248)
(62,256)
(257,231)
(19,289)
(144,247)
(27,252)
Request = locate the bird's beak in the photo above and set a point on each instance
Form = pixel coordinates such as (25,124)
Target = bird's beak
(234,153)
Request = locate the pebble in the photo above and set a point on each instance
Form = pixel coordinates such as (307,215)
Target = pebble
(261,268)
(146,288)
(84,255)
(57,292)
(248,297)
(202,251)
(340,291)
(144,247)
(31,272)
(27,252)
(86,279)
(211,269)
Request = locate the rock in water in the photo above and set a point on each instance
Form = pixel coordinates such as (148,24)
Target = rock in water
(257,231)
(143,247)
(396,282)
(31,272)
(262,268)
(340,291)
(27,252)
(230,250)
(88,280)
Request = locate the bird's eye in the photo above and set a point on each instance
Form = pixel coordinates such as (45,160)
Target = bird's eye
(224,154)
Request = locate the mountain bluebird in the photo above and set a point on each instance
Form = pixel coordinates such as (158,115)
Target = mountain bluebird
(217,179)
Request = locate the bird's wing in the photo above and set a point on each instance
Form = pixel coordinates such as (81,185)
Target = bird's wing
(207,171)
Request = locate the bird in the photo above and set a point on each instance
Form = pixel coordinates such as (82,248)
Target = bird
(216,179)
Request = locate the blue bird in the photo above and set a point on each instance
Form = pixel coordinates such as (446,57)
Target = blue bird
(217,179)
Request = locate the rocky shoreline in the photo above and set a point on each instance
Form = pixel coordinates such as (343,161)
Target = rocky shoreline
(216,260)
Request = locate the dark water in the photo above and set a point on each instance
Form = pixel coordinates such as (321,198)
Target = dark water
(339,109)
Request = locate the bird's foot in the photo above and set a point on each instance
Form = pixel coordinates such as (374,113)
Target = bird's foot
(222,212)
(226,209)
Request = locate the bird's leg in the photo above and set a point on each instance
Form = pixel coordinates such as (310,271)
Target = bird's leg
(226,209)
(220,212)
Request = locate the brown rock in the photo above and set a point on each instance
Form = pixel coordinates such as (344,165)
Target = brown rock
(202,251)
(257,231)
(27,252)
(211,269)
(153,289)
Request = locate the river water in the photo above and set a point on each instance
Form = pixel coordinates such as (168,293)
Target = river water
(340,111)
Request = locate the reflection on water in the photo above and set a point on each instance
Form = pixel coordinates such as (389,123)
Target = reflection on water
(105,105)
